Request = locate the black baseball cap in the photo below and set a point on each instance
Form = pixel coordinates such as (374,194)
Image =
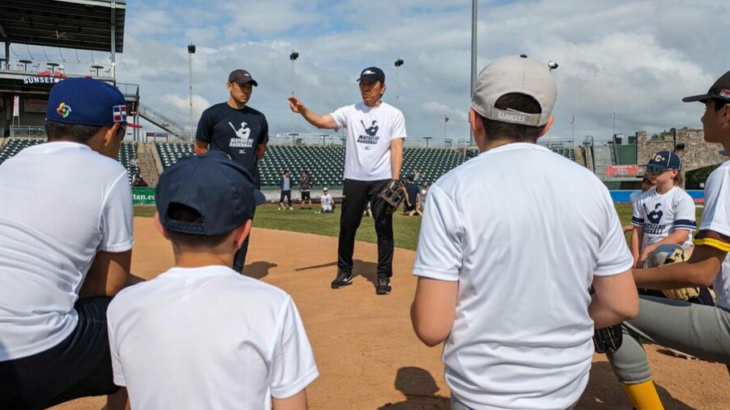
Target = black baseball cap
(720,91)
(220,189)
(241,77)
(372,74)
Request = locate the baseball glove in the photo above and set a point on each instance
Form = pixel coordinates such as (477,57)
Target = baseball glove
(668,254)
(608,339)
(393,196)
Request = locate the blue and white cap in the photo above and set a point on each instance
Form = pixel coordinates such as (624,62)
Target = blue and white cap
(665,160)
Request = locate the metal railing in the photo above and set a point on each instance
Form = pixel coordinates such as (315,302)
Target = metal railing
(35,66)
(163,121)
(27,131)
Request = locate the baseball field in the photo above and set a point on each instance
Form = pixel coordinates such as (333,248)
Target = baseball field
(367,354)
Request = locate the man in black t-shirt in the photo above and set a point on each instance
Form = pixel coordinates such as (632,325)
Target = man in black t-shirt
(413,197)
(238,130)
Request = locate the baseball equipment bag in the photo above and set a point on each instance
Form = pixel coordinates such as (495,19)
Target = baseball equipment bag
(668,254)
(393,195)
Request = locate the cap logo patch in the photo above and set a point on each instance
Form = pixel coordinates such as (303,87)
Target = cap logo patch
(120,113)
(246,75)
(63,110)
(368,72)
(725,93)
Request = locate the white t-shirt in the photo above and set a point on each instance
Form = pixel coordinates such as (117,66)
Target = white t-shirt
(326,201)
(662,214)
(208,338)
(369,133)
(61,204)
(716,217)
(527,233)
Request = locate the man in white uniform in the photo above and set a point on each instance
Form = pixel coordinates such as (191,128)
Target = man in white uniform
(375,134)
(702,331)
(66,249)
(509,245)
(227,340)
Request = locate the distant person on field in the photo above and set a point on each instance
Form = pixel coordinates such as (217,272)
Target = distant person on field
(646,184)
(65,251)
(416,176)
(326,202)
(138,181)
(424,196)
(285,184)
(227,340)
(238,130)
(664,214)
(305,187)
(413,197)
(506,294)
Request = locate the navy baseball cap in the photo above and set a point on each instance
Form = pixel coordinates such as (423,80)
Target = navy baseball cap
(220,189)
(665,160)
(372,74)
(719,91)
(84,101)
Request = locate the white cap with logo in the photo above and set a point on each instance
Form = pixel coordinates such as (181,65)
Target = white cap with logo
(515,74)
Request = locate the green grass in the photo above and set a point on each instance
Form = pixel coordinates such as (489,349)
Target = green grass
(405,228)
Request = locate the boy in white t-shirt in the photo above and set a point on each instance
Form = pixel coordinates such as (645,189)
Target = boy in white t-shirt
(375,134)
(702,331)
(665,214)
(227,340)
(65,250)
(326,202)
(510,243)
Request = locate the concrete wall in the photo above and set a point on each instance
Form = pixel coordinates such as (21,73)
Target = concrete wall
(695,154)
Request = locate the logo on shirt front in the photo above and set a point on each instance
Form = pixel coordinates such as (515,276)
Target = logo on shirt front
(655,216)
(242,139)
(371,137)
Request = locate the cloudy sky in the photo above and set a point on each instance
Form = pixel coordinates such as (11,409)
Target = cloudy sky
(635,58)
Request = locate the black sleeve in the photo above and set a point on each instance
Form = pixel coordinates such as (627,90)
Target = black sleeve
(264,130)
(205,129)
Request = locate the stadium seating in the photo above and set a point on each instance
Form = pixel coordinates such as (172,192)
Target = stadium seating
(326,164)
(566,152)
(15,145)
(126,153)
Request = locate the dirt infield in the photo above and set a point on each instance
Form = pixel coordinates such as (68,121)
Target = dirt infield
(366,351)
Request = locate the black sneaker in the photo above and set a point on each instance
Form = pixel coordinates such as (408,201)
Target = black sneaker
(383,287)
(343,279)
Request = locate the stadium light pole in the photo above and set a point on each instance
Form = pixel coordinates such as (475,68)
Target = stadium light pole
(293,57)
(398,64)
(474,9)
(191,51)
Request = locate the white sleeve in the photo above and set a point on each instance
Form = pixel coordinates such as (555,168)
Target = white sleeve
(117,370)
(399,127)
(439,253)
(684,217)
(116,218)
(637,216)
(716,215)
(292,363)
(614,256)
(340,116)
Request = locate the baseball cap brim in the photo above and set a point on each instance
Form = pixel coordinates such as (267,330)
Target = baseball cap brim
(243,81)
(700,98)
(258,197)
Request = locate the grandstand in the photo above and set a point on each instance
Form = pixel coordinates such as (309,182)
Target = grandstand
(326,164)
(127,152)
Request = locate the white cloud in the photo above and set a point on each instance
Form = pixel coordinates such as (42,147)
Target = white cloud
(635,58)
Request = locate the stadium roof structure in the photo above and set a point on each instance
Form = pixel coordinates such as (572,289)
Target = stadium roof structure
(96,25)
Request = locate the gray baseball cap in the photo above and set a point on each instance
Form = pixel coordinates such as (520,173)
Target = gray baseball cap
(515,74)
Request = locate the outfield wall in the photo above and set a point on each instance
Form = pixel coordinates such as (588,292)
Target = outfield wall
(146,196)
